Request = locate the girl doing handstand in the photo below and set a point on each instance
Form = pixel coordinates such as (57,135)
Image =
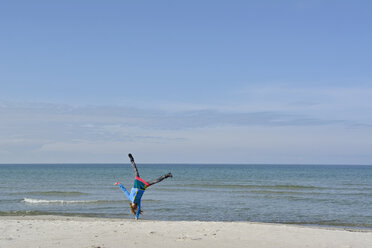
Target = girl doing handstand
(139,187)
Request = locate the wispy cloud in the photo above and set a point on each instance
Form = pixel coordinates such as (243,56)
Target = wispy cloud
(38,130)
(106,122)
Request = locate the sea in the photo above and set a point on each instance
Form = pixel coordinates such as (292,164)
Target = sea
(316,195)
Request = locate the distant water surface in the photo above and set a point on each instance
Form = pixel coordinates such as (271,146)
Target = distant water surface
(300,194)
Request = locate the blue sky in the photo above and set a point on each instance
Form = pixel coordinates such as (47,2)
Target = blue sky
(186,81)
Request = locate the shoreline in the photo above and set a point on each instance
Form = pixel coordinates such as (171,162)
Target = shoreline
(87,216)
(82,217)
(66,231)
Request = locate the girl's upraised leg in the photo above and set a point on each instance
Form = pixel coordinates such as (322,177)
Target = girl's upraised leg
(160,179)
(133,165)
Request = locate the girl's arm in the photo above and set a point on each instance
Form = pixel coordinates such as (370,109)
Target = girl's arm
(138,210)
(125,191)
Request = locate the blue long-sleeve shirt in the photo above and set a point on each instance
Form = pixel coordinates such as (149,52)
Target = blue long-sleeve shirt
(136,193)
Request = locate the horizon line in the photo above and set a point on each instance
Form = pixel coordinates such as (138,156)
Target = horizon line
(184,163)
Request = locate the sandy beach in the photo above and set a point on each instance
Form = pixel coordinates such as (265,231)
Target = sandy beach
(56,231)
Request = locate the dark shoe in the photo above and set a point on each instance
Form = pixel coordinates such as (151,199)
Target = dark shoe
(169,175)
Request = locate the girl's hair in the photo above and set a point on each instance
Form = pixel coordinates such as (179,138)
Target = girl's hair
(133,208)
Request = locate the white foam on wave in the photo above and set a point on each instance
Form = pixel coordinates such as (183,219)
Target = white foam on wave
(39,201)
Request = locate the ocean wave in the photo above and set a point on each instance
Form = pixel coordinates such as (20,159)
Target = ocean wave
(51,193)
(5,201)
(331,224)
(289,186)
(266,192)
(42,201)
(21,213)
(250,186)
(36,212)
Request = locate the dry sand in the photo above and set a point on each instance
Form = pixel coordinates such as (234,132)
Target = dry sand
(55,231)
